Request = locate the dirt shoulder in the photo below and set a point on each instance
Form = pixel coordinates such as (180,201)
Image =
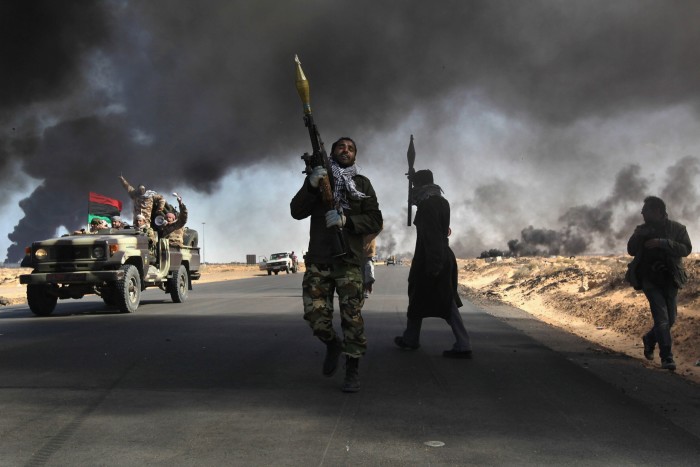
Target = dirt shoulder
(588,297)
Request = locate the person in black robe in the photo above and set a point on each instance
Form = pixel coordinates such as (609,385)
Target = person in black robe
(432,280)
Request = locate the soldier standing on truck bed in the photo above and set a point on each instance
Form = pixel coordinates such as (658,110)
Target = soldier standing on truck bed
(148,203)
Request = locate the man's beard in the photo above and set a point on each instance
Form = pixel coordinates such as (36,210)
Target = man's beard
(344,161)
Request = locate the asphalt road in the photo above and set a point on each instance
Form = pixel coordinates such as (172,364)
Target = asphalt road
(233,377)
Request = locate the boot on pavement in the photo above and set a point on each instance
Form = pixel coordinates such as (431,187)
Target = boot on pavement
(333,350)
(352,376)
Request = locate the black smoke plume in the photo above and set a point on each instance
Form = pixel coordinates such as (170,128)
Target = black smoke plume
(173,93)
(607,224)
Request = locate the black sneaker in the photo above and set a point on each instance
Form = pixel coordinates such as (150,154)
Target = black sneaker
(668,364)
(398,340)
(457,354)
(648,348)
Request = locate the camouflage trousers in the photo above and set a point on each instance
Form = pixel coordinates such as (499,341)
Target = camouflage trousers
(320,284)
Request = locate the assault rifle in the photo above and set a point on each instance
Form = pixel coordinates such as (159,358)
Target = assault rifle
(319,158)
(411,155)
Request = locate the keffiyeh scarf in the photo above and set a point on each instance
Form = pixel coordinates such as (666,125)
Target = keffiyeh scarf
(345,184)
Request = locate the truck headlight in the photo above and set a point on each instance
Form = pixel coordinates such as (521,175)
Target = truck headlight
(41,254)
(98,252)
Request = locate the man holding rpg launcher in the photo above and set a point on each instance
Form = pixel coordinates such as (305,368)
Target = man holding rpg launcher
(329,270)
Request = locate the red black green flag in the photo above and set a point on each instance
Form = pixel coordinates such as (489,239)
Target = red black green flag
(103,207)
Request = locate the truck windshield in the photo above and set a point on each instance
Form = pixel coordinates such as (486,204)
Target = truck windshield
(278,255)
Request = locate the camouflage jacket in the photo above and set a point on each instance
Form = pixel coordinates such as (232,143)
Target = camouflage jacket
(151,234)
(175,232)
(146,204)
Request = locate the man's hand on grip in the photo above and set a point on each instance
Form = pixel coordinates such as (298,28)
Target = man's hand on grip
(334,219)
(316,175)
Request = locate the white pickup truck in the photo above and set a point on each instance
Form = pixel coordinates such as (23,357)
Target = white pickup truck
(281,262)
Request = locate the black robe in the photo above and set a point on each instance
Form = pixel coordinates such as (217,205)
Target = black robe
(432,280)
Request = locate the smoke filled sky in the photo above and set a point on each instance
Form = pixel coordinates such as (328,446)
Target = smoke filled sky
(545,122)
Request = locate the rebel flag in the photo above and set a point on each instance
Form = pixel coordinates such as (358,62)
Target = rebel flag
(103,207)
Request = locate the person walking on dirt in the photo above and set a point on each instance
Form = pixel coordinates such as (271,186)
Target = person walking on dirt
(659,245)
(432,279)
(325,273)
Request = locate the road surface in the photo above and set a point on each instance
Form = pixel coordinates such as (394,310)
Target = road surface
(233,377)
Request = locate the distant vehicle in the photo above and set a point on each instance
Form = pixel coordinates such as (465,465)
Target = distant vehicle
(281,262)
(115,264)
(391,260)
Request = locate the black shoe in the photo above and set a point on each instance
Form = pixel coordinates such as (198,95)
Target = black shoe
(668,364)
(352,375)
(457,354)
(648,348)
(398,340)
(330,363)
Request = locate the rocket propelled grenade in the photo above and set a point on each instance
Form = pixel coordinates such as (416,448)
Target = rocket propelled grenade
(411,156)
(318,158)
(303,87)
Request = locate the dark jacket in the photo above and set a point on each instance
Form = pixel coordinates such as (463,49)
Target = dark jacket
(363,217)
(664,263)
(432,280)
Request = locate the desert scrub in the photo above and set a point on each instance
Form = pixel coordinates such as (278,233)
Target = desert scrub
(615,276)
(564,262)
(523,272)
(555,268)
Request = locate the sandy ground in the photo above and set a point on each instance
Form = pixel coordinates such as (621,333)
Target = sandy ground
(588,297)
(584,295)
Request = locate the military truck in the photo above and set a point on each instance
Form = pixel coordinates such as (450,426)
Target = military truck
(116,264)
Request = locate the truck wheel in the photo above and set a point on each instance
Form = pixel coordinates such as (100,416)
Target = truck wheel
(286,269)
(128,294)
(269,273)
(178,285)
(40,301)
(276,272)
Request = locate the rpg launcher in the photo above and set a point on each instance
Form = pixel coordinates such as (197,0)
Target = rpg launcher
(411,155)
(319,158)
